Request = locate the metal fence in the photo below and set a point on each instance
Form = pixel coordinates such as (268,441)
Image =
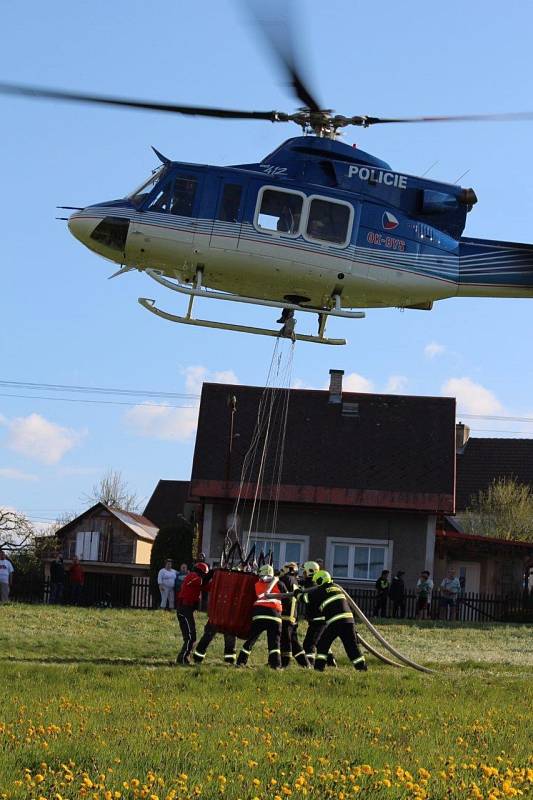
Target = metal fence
(127,591)
(101,590)
(471,606)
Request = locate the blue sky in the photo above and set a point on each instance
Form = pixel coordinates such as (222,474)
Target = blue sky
(62,322)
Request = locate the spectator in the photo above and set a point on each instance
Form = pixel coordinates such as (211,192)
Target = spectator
(424,588)
(57,579)
(449,592)
(397,595)
(166,580)
(6,577)
(77,580)
(180,577)
(382,592)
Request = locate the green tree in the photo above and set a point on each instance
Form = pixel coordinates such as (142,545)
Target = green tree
(174,541)
(504,510)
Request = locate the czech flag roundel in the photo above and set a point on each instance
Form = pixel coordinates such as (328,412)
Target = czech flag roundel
(389,221)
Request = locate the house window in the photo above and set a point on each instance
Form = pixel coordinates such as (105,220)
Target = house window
(357,559)
(283,549)
(279,211)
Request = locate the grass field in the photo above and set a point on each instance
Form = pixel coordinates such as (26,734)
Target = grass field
(93,707)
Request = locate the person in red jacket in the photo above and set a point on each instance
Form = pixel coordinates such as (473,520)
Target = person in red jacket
(77,579)
(187,602)
(266,617)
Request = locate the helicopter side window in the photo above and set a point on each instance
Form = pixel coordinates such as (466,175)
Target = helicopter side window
(329,222)
(183,194)
(280,211)
(228,209)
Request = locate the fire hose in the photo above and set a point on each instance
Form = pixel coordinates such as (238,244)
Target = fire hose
(364,619)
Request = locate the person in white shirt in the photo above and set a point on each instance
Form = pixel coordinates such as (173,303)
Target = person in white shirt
(449,592)
(166,580)
(6,577)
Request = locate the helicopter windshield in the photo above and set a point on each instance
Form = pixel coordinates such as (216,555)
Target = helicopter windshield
(140,194)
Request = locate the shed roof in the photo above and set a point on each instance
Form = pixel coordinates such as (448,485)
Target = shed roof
(483,460)
(142,527)
(373,450)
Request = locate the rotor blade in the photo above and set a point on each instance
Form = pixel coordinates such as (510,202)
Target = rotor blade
(505,117)
(145,105)
(277,31)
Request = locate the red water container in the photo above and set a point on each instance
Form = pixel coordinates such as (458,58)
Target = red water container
(231,599)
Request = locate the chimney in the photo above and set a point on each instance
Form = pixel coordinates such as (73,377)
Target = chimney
(462,434)
(335,385)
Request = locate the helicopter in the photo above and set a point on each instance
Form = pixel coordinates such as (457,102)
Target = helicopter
(316,226)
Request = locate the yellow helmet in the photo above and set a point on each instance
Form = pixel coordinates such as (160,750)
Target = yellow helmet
(309,568)
(322,577)
(266,571)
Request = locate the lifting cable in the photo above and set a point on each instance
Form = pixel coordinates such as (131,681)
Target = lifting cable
(263,451)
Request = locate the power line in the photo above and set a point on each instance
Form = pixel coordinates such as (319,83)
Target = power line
(502,417)
(71,388)
(87,400)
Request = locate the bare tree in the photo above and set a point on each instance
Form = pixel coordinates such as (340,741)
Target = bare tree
(16,530)
(504,510)
(113,490)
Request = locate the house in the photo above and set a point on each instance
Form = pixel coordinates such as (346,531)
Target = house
(357,480)
(168,501)
(114,548)
(482,460)
(485,564)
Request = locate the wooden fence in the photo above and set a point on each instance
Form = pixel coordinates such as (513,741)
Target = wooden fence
(127,591)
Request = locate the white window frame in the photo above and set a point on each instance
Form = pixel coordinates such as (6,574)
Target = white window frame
(324,242)
(331,541)
(283,538)
(270,232)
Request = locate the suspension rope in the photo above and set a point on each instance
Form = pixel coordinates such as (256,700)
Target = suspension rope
(263,451)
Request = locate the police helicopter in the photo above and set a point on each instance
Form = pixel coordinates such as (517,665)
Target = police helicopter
(316,226)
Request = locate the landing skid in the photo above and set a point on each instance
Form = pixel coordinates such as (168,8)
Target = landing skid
(227,326)
(287,331)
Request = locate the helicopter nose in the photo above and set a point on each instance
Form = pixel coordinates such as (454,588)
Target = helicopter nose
(81,226)
(101,232)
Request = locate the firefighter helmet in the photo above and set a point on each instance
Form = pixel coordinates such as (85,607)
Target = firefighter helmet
(266,571)
(321,577)
(202,567)
(309,568)
(290,566)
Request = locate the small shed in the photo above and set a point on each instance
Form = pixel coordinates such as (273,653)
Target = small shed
(108,537)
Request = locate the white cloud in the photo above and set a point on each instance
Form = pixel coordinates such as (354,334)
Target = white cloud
(396,384)
(196,375)
(41,440)
(168,423)
(434,349)
(162,421)
(16,474)
(472,398)
(353,382)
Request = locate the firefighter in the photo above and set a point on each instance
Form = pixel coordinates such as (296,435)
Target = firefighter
(266,617)
(230,641)
(290,644)
(339,622)
(315,619)
(186,604)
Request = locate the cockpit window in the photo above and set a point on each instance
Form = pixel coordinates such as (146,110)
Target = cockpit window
(183,194)
(141,193)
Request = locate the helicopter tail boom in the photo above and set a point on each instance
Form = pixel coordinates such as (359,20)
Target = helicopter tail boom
(490,268)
